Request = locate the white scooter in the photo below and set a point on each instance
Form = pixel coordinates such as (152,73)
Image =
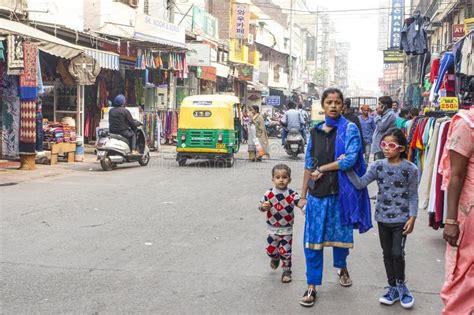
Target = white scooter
(113,149)
(294,144)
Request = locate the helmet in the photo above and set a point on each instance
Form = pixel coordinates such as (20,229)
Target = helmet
(119,100)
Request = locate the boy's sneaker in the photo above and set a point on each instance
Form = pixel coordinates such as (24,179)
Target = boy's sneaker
(406,298)
(391,296)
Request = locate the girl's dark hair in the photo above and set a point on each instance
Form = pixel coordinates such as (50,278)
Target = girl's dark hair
(331,91)
(401,139)
(281,167)
(256,108)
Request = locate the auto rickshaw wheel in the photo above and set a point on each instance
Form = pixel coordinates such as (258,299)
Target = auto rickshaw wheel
(229,162)
(181,162)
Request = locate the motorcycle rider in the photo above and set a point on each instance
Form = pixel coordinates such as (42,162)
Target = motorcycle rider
(292,119)
(121,122)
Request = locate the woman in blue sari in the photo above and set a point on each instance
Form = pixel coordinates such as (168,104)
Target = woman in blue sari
(334,206)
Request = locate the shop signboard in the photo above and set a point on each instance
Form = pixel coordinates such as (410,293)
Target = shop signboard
(458,32)
(448,104)
(246,73)
(207,73)
(273,100)
(204,23)
(393,56)
(255,76)
(468,25)
(240,21)
(158,31)
(397,10)
(198,54)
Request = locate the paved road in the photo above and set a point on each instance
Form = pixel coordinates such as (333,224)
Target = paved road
(164,239)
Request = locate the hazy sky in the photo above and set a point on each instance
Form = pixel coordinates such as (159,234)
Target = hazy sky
(360,29)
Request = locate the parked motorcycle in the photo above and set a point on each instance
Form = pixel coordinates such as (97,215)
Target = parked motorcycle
(294,144)
(113,149)
(273,128)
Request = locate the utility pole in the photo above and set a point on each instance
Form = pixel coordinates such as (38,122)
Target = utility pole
(290,60)
(316,44)
(171,4)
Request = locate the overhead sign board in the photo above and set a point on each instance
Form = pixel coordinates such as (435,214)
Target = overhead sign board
(393,56)
(204,23)
(397,10)
(158,31)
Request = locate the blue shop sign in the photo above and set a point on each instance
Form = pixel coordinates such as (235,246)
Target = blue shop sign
(273,100)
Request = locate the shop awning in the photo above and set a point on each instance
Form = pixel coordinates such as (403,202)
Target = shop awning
(47,43)
(256,86)
(106,60)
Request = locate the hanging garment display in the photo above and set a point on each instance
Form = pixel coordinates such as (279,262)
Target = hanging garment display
(15,54)
(84,69)
(29,76)
(467,57)
(39,126)
(27,127)
(446,62)
(413,35)
(2,51)
(10,106)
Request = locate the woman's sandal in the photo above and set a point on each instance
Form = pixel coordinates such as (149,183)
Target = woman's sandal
(344,278)
(286,276)
(274,263)
(309,298)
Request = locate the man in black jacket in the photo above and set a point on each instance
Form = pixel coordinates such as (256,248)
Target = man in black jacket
(121,122)
(349,115)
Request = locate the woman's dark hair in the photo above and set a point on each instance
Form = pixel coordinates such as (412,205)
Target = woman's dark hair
(403,113)
(256,108)
(414,112)
(331,91)
(401,139)
(281,167)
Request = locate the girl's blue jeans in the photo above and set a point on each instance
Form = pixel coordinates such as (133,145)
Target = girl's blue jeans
(315,261)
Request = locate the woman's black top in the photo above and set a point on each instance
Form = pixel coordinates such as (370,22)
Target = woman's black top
(322,152)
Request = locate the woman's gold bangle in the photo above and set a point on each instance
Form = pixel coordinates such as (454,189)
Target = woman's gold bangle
(451,221)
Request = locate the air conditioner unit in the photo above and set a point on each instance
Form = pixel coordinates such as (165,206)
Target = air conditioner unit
(250,39)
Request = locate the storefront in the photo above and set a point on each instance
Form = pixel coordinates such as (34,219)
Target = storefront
(22,84)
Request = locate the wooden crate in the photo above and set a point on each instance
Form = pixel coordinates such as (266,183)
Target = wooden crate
(66,149)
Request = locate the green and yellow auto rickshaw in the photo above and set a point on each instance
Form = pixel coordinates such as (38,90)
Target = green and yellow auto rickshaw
(209,127)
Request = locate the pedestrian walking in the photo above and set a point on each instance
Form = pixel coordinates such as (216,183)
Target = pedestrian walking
(334,205)
(349,115)
(395,211)
(257,133)
(278,203)
(306,121)
(367,124)
(457,168)
(384,121)
(245,126)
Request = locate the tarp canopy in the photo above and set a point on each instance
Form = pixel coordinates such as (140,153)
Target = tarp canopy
(58,47)
(47,43)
